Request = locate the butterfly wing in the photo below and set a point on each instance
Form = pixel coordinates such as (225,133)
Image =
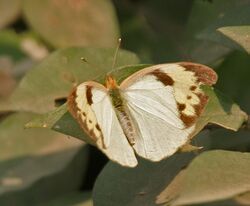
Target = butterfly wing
(164,102)
(90,104)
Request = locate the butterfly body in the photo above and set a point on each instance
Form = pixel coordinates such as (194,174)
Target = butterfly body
(151,113)
(120,108)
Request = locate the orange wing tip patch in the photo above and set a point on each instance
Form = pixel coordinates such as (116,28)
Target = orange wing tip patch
(205,74)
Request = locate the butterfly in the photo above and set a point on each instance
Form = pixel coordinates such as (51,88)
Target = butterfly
(152,113)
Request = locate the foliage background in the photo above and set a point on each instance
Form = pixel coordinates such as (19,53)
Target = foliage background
(41,43)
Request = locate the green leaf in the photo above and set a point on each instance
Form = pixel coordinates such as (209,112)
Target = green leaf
(57,74)
(121,186)
(202,15)
(61,121)
(73,23)
(74,199)
(222,111)
(236,16)
(153,29)
(37,161)
(212,176)
(234,78)
(239,34)
(10,45)
(9,11)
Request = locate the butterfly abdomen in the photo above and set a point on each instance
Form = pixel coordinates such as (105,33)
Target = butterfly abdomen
(123,115)
(126,124)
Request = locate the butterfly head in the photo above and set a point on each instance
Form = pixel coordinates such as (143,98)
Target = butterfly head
(111,82)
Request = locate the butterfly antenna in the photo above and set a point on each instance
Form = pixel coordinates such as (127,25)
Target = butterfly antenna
(116,53)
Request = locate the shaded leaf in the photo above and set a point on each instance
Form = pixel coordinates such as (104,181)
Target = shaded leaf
(9,11)
(228,140)
(153,29)
(136,186)
(58,73)
(222,111)
(212,176)
(173,189)
(234,78)
(74,199)
(243,199)
(239,34)
(235,16)
(60,120)
(202,15)
(35,162)
(73,23)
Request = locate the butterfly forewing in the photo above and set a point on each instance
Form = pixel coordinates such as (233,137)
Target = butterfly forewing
(165,102)
(100,122)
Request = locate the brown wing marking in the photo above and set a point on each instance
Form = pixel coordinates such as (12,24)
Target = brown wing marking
(204,74)
(82,116)
(163,77)
(89,94)
(189,120)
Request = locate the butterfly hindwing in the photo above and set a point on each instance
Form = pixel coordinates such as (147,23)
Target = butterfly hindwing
(100,122)
(79,104)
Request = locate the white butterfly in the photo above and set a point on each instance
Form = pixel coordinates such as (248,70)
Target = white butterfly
(152,113)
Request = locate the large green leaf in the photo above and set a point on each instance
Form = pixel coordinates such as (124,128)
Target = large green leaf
(37,161)
(73,23)
(156,30)
(235,16)
(57,74)
(239,34)
(202,15)
(121,186)
(9,11)
(212,176)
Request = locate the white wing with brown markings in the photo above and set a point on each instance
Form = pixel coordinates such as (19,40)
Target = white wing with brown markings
(165,102)
(100,122)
